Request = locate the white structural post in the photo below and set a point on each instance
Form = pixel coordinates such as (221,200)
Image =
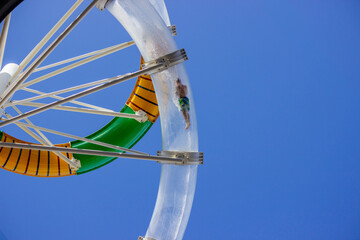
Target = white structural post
(80,138)
(3,37)
(74,65)
(13,87)
(43,41)
(85,110)
(97,52)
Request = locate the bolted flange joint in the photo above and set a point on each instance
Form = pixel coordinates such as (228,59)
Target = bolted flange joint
(172,29)
(142,116)
(188,158)
(166,61)
(145,238)
(77,164)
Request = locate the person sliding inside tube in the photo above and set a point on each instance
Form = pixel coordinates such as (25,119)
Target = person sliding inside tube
(181,91)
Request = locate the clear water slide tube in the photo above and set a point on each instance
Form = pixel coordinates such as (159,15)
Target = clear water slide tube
(148,29)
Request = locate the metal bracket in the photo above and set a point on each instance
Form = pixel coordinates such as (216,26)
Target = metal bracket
(188,158)
(101,4)
(143,116)
(77,164)
(92,152)
(145,238)
(172,29)
(166,61)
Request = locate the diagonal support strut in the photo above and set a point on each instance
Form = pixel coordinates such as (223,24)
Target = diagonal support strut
(151,67)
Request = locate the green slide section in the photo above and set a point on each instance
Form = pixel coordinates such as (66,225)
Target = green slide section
(122,132)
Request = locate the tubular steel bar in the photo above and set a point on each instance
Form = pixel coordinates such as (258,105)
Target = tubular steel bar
(189,158)
(43,41)
(66,90)
(78,95)
(46,52)
(110,50)
(92,152)
(97,52)
(85,110)
(154,66)
(43,140)
(80,138)
(74,65)
(58,97)
(3,37)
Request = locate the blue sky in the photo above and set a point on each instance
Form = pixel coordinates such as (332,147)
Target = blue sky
(277,92)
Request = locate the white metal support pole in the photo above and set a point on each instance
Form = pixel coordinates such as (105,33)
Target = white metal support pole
(76,64)
(13,87)
(81,138)
(93,152)
(66,90)
(45,141)
(86,110)
(43,41)
(3,37)
(115,48)
(58,97)
(78,95)
(151,67)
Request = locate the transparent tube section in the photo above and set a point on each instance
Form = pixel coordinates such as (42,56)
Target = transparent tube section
(148,29)
(160,7)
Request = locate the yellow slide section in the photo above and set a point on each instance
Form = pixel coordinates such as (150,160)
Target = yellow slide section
(33,162)
(143,97)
